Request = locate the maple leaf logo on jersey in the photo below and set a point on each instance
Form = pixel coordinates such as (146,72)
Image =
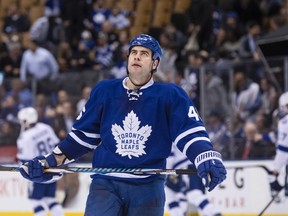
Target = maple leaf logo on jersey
(131,138)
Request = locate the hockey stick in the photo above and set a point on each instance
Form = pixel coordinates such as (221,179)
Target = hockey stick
(135,171)
(269,203)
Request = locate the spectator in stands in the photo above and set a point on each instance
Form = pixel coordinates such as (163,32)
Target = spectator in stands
(9,132)
(64,118)
(103,53)
(87,40)
(191,73)
(246,97)
(112,36)
(15,21)
(62,97)
(118,18)
(39,64)
(178,39)
(231,23)
(258,145)
(269,96)
(218,132)
(119,70)
(192,41)
(80,59)
(247,49)
(230,46)
(84,97)
(48,31)
(52,7)
(10,64)
(167,67)
(217,40)
(215,95)
(20,91)
(44,109)
(64,55)
(123,41)
(9,108)
(99,14)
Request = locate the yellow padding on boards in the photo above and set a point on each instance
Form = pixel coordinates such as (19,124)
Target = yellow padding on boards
(81,214)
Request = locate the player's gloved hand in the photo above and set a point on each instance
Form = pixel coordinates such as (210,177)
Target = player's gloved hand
(210,168)
(33,170)
(274,184)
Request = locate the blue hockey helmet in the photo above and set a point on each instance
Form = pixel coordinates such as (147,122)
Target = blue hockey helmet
(148,42)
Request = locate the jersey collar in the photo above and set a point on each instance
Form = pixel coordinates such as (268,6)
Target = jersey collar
(151,82)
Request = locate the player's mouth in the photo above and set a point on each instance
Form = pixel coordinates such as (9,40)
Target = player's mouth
(136,65)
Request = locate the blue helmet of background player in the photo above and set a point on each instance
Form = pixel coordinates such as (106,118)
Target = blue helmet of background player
(148,42)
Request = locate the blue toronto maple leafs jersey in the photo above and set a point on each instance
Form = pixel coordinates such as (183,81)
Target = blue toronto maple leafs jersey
(135,129)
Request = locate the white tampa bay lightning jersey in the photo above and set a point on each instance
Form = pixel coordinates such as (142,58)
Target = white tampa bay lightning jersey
(282,136)
(135,129)
(36,141)
(281,157)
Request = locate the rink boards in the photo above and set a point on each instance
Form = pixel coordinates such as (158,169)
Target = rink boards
(245,193)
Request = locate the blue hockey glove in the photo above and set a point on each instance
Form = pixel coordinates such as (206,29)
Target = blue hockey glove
(275,187)
(274,184)
(210,169)
(33,170)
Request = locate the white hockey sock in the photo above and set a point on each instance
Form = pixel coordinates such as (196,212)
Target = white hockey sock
(55,208)
(200,200)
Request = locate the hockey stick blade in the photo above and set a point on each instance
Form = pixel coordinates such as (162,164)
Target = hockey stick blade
(135,171)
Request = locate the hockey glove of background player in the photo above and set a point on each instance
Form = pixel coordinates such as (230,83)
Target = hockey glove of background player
(274,184)
(210,168)
(175,182)
(33,170)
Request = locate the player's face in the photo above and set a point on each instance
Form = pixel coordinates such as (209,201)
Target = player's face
(140,62)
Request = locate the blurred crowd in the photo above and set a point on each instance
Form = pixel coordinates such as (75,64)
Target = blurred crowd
(236,96)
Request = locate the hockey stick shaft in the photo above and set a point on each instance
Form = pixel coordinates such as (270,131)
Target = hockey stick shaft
(136,171)
(269,203)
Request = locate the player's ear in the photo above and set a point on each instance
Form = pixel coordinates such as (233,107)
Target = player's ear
(155,64)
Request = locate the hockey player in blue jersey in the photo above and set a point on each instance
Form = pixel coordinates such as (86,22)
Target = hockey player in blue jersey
(35,139)
(132,123)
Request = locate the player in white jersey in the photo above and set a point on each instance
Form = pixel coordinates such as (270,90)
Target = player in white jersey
(281,158)
(182,190)
(132,123)
(36,139)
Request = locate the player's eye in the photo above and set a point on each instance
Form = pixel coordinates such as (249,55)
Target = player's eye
(145,53)
(133,52)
